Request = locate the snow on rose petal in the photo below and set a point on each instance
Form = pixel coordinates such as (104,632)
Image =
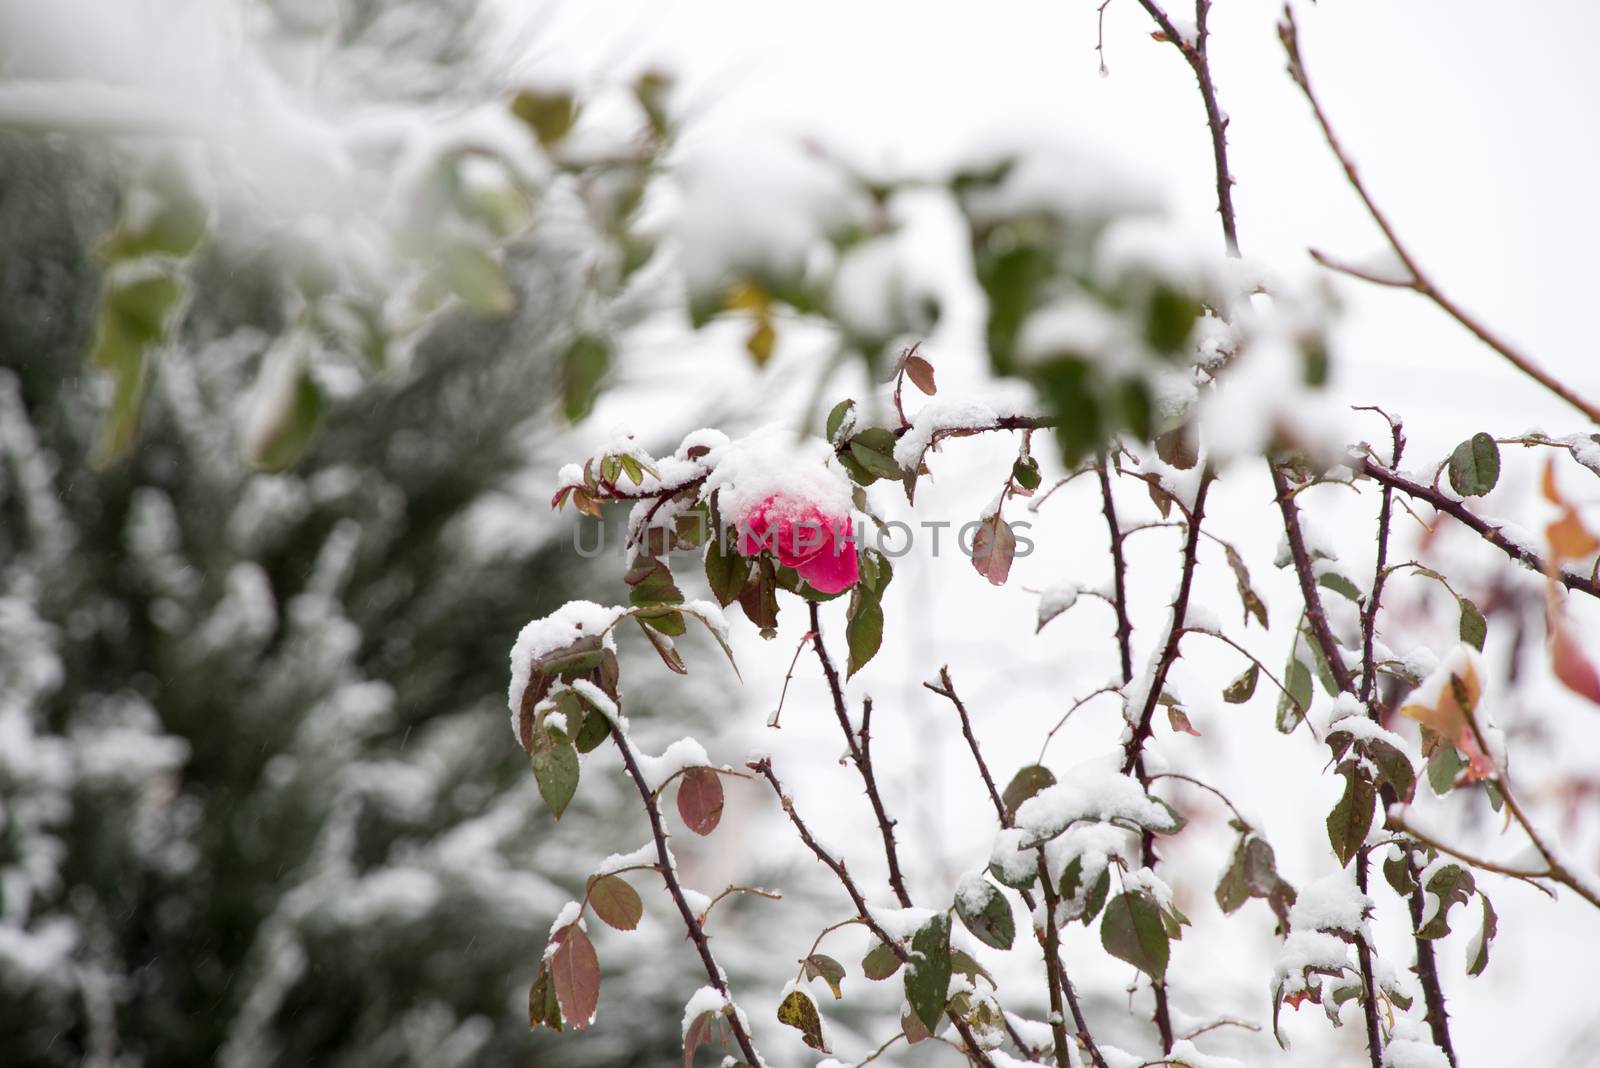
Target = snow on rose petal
(820,547)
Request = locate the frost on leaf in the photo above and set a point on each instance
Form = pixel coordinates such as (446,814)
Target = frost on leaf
(927,980)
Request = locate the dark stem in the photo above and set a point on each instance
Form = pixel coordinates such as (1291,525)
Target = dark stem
(1369,613)
(1484,529)
(669,875)
(1308,581)
(763,768)
(1323,636)
(1060,985)
(861,754)
(1428,971)
(1119,575)
(1134,747)
(1133,762)
(1195,55)
(1427,966)
(1369,1001)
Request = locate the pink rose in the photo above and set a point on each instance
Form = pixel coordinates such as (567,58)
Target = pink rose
(821,548)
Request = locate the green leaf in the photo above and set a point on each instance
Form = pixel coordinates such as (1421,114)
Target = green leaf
(1071,878)
(1242,688)
(615,902)
(1397,872)
(1332,580)
(726,571)
(550,115)
(962,963)
(596,729)
(650,583)
(477,279)
(986,912)
(1444,768)
(800,1013)
(836,420)
(1453,885)
(1292,705)
(1171,318)
(821,966)
(880,962)
(1024,784)
(543,1005)
(928,975)
(1475,466)
(863,630)
(1478,948)
(1133,931)
(1097,896)
(1253,872)
(1026,473)
(1351,818)
(583,368)
(1474,628)
(287,439)
(873,449)
(555,768)
(1394,767)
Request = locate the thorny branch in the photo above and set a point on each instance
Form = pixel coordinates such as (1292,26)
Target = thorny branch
(861,755)
(1427,966)
(1059,983)
(763,768)
(1489,532)
(1133,762)
(1323,636)
(1195,54)
(669,875)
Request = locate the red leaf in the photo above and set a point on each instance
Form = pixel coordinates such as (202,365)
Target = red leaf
(992,549)
(920,372)
(1180,721)
(699,1032)
(576,971)
(1571,666)
(700,800)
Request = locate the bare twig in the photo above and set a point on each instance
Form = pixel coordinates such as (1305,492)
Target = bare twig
(669,875)
(1323,636)
(1419,280)
(1055,968)
(1427,966)
(1428,969)
(1119,574)
(1489,532)
(1194,53)
(1308,582)
(1133,748)
(1396,821)
(763,768)
(861,755)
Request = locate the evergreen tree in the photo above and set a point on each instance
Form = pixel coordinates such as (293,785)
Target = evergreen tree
(259,802)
